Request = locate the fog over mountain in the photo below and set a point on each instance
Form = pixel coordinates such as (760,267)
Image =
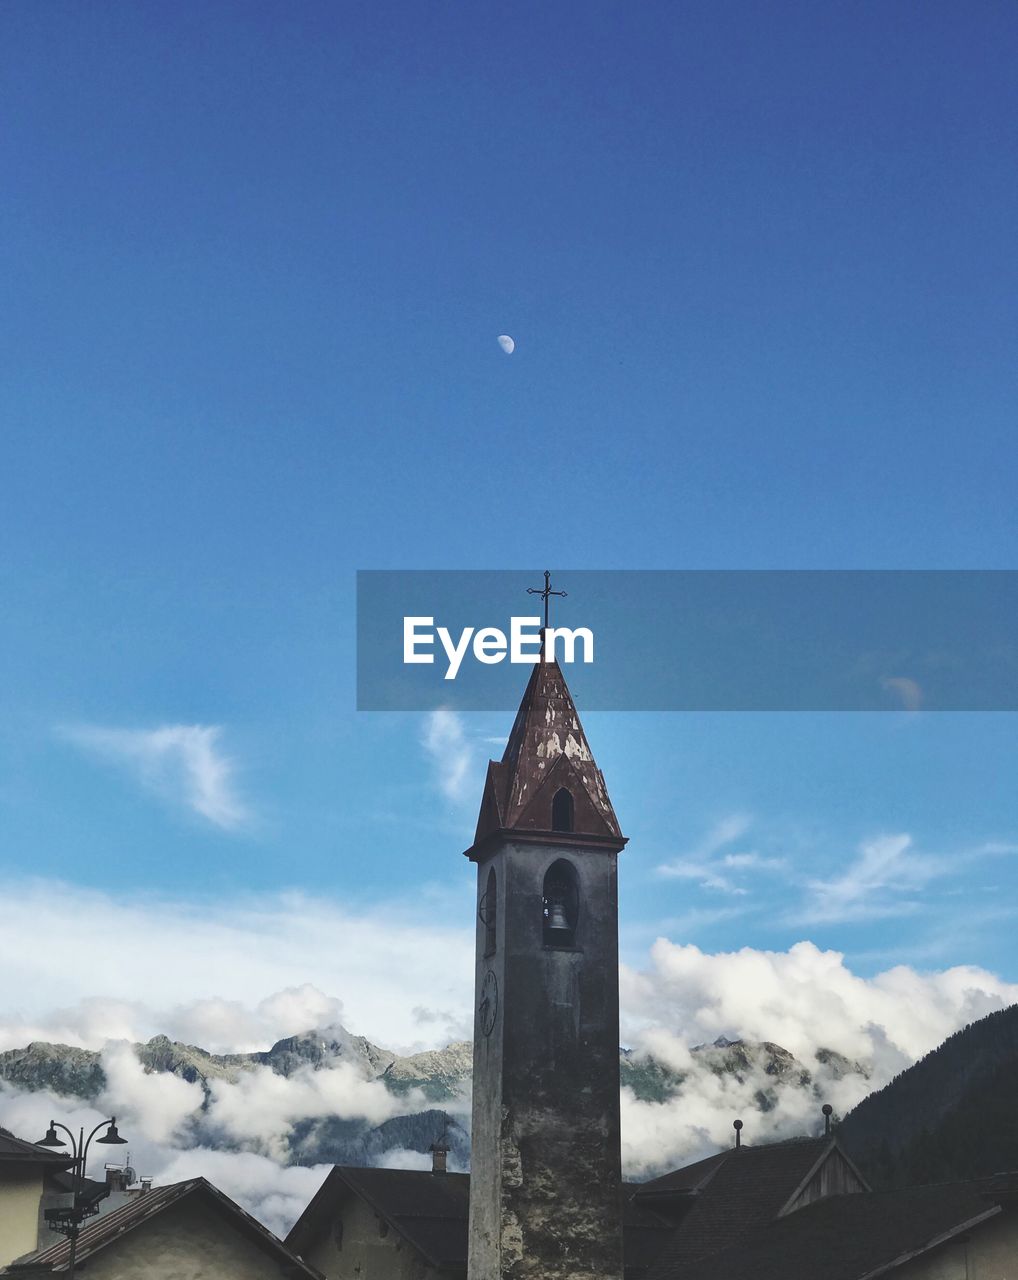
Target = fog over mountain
(327,1096)
(765,1036)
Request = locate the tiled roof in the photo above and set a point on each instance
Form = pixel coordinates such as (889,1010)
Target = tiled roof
(730,1194)
(847,1237)
(689,1178)
(16,1151)
(105,1230)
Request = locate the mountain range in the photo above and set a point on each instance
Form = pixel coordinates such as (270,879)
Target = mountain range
(440,1078)
(954,1114)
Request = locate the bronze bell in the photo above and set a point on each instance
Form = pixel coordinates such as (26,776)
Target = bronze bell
(557,916)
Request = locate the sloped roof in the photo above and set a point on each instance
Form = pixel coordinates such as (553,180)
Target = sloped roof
(431,1211)
(690,1177)
(104,1231)
(731,1229)
(846,1237)
(16,1151)
(731,1194)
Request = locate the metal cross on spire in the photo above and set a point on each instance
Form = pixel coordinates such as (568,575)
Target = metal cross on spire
(544,594)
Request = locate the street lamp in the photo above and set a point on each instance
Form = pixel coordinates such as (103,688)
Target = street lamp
(68,1220)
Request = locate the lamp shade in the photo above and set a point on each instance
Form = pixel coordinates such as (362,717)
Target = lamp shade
(111,1138)
(51,1139)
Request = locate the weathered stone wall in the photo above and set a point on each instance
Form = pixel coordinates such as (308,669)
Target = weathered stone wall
(20,1194)
(360,1247)
(546,1146)
(486,1119)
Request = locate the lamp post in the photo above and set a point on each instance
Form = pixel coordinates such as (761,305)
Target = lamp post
(68,1221)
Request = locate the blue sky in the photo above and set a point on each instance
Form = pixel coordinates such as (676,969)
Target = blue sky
(759,265)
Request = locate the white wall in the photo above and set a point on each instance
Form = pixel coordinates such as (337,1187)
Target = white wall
(20,1194)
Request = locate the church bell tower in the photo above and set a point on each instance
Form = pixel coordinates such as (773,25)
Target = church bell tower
(545,1185)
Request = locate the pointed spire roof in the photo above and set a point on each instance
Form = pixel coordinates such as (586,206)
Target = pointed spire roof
(547,751)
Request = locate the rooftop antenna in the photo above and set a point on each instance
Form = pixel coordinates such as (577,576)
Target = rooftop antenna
(828,1110)
(737,1126)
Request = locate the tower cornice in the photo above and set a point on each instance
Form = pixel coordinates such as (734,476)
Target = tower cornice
(482,849)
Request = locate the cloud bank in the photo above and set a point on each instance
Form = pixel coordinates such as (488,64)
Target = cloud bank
(232,975)
(240,977)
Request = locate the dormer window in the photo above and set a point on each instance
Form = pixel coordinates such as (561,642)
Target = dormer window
(561,905)
(562,810)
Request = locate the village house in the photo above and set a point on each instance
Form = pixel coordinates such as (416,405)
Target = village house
(184,1231)
(796,1210)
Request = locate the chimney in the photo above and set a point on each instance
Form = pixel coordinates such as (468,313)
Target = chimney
(737,1126)
(439,1154)
(146,1184)
(115,1180)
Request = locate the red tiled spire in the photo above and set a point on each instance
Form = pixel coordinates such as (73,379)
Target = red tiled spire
(547,752)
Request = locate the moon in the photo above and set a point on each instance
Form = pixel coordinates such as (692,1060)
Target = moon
(506,343)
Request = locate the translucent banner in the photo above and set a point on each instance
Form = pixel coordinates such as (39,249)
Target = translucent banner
(687,640)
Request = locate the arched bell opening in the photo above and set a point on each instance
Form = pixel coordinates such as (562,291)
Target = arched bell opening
(488,913)
(561,904)
(562,810)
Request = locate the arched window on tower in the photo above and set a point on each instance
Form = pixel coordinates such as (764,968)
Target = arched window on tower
(561,904)
(488,911)
(562,810)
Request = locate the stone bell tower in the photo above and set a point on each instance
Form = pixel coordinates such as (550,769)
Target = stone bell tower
(545,1185)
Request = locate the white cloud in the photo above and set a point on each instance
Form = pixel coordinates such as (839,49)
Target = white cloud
(804,999)
(180,762)
(395,979)
(446,743)
(885,868)
(274,1194)
(711,869)
(883,880)
(200,972)
(262,1107)
(160,1104)
(400,1158)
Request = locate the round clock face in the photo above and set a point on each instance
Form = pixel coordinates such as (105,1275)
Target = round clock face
(488,1007)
